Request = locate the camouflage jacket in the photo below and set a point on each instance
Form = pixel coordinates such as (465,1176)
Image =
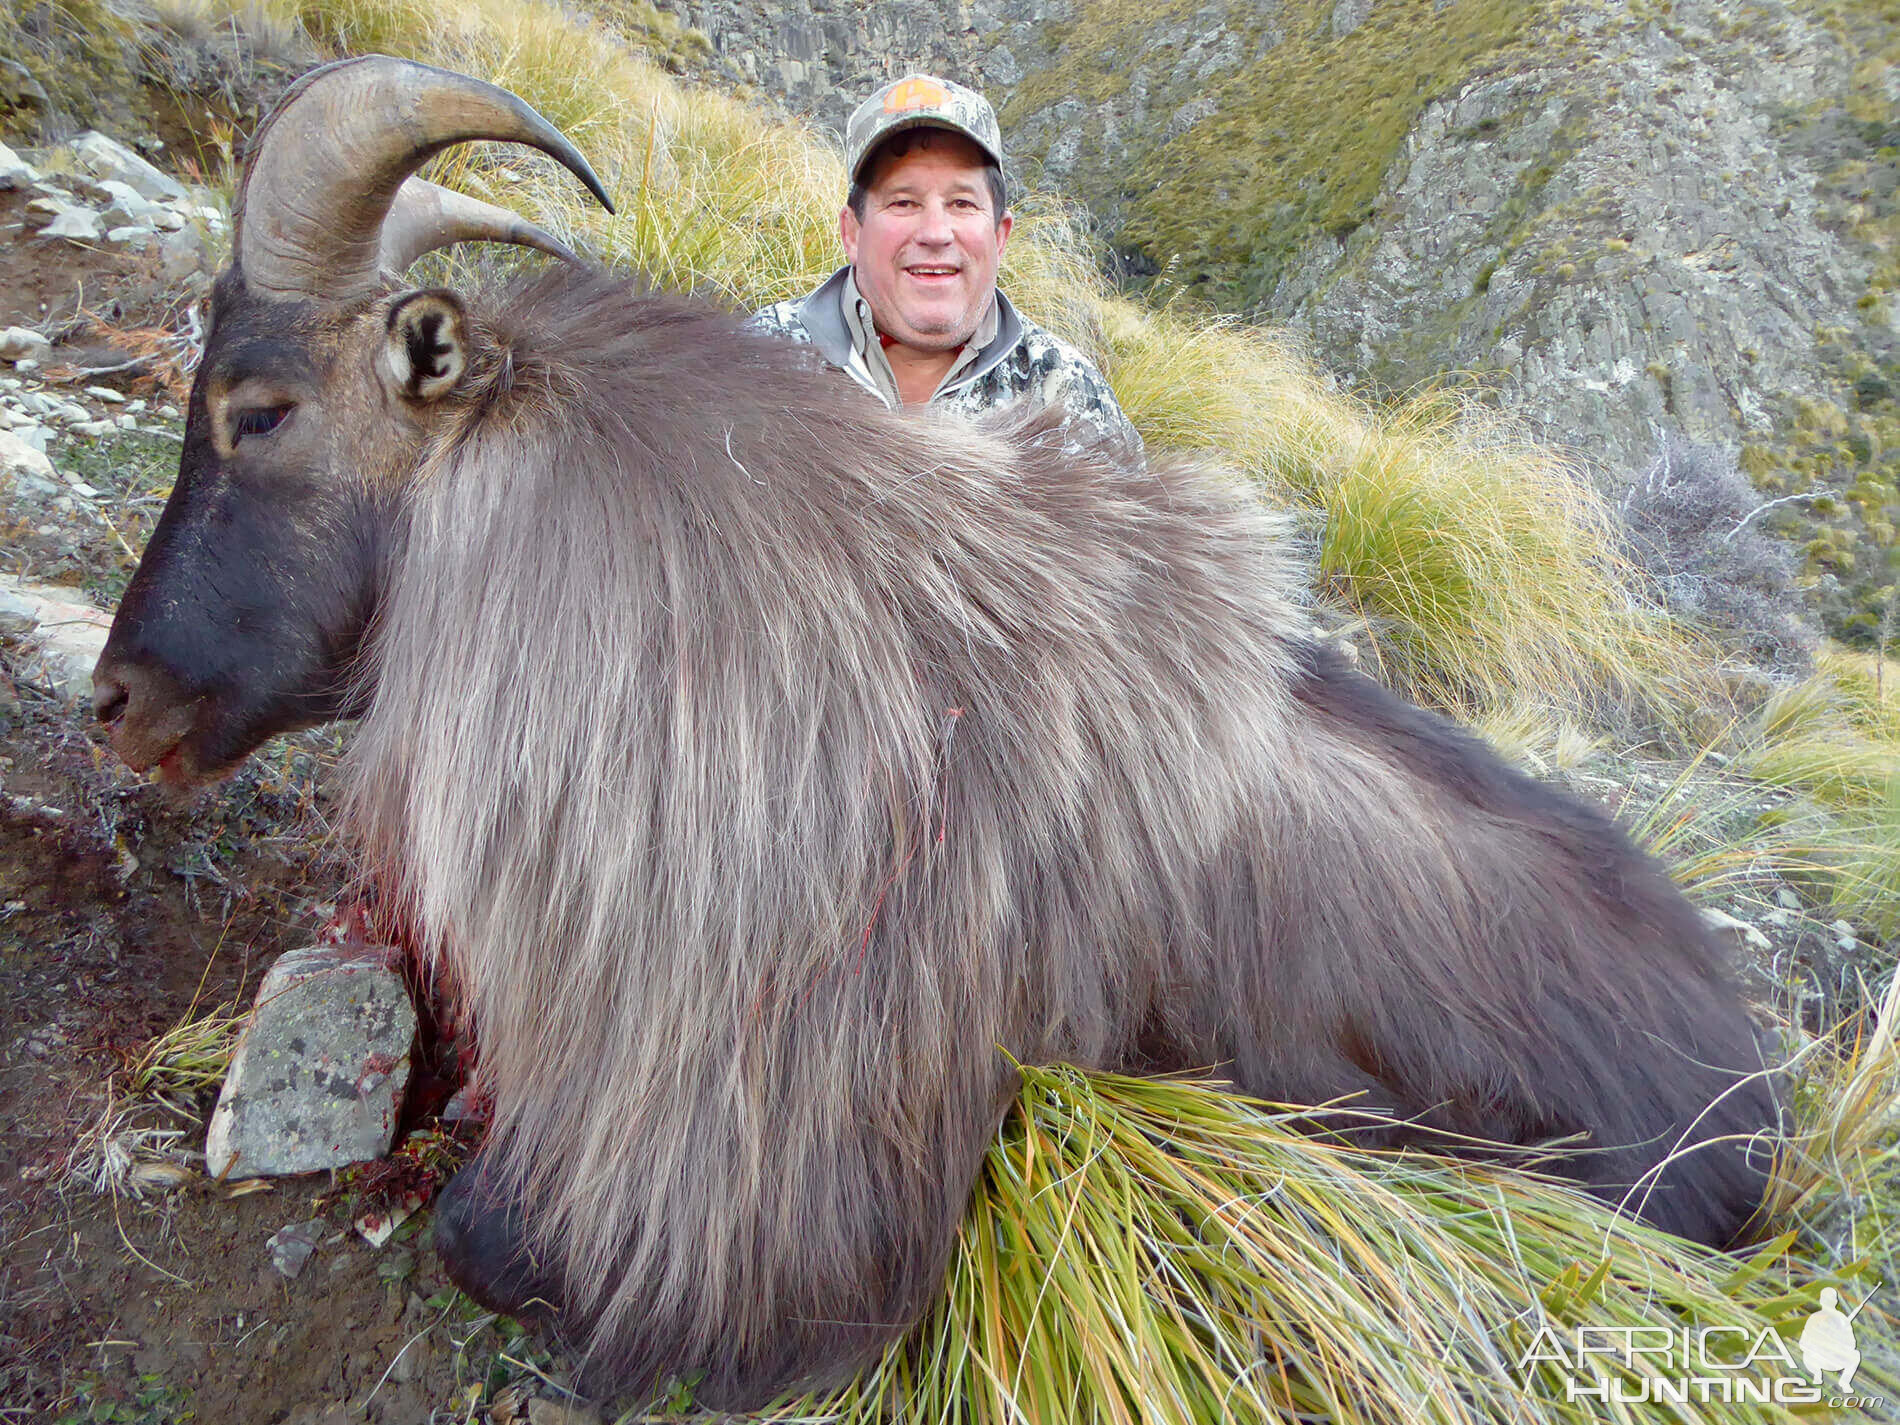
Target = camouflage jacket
(1022,362)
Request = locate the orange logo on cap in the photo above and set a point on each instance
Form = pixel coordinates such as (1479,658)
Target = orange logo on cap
(915,94)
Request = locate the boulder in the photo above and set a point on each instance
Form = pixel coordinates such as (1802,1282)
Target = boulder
(320,1069)
(16,342)
(63,633)
(126,207)
(15,172)
(22,462)
(107,159)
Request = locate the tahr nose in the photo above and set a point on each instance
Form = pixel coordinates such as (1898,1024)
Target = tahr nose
(146,710)
(110,695)
(130,687)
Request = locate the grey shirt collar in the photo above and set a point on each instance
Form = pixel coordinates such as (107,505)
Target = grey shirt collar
(840,324)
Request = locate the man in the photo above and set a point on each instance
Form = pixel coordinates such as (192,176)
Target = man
(914,316)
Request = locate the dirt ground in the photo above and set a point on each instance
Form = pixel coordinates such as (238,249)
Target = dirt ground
(169,1308)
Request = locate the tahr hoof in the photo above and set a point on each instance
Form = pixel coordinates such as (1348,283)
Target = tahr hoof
(482,1238)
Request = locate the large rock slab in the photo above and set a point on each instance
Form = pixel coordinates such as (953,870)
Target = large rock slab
(105,158)
(63,633)
(15,172)
(320,1070)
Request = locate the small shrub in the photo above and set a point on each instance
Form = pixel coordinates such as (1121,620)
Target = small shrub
(1691,525)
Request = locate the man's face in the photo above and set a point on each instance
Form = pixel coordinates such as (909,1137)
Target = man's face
(926,252)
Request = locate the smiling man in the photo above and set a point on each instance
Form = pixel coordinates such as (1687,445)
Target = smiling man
(915,316)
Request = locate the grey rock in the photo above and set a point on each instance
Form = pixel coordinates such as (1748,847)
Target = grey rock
(75,224)
(106,394)
(31,434)
(291,1246)
(1349,15)
(107,159)
(15,172)
(134,237)
(320,1069)
(16,342)
(92,430)
(18,458)
(183,253)
(125,206)
(1739,934)
(67,635)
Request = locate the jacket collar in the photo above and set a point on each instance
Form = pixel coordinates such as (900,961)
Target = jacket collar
(822,315)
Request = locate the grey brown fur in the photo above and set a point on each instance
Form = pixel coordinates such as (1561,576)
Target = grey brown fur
(797,758)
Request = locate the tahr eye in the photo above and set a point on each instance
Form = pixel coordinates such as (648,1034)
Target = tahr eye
(258,420)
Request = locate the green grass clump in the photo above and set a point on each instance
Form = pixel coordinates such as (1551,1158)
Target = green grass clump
(1157,1250)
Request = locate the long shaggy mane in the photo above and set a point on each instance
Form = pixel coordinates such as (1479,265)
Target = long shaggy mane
(762,765)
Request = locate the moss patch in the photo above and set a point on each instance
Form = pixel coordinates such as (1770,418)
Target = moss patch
(82,54)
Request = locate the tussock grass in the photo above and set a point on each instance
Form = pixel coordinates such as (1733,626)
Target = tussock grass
(1485,570)
(1834,741)
(1835,735)
(1152,1251)
(1540,740)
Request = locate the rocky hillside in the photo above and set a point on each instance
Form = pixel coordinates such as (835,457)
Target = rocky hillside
(1620,219)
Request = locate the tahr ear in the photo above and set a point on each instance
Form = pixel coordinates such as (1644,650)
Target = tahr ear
(425,347)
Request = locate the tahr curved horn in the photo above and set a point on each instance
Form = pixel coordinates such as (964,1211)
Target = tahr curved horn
(426,216)
(326,166)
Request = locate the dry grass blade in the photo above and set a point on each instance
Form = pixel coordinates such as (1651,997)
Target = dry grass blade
(189,1057)
(134,1146)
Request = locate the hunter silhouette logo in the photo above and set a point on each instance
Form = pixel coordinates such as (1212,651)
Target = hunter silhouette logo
(915,94)
(1827,1341)
(1681,1365)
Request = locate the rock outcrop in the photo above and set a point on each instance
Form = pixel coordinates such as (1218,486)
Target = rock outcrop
(1628,222)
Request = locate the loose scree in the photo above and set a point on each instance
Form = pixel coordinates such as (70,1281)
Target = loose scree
(763,767)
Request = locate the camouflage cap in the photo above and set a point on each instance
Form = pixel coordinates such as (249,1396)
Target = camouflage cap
(919,101)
